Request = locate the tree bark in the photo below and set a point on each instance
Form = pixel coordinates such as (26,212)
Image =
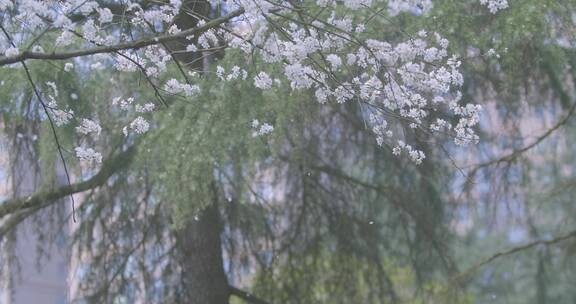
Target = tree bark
(199,244)
(200,249)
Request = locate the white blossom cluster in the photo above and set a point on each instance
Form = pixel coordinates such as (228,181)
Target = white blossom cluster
(63,117)
(88,155)
(235,73)
(261,129)
(173,86)
(68,66)
(88,126)
(415,155)
(492,53)
(495,5)
(262,81)
(152,61)
(148,107)
(139,126)
(404,85)
(59,117)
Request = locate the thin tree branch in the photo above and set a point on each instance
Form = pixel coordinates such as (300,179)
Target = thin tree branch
(514,250)
(50,120)
(515,154)
(246,296)
(45,198)
(564,98)
(136,44)
(15,219)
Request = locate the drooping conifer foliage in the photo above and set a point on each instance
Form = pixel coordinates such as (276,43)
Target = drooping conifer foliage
(315,151)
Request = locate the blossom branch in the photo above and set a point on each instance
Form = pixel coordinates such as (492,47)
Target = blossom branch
(50,120)
(45,198)
(133,45)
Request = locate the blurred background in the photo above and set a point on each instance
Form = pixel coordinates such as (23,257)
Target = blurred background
(318,212)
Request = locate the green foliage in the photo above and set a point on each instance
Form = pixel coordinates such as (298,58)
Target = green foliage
(329,276)
(201,139)
(204,140)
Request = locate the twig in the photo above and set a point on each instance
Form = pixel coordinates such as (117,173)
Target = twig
(52,127)
(246,296)
(511,251)
(136,44)
(564,97)
(45,198)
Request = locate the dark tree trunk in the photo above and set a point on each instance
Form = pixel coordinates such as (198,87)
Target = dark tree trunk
(187,19)
(200,249)
(203,277)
